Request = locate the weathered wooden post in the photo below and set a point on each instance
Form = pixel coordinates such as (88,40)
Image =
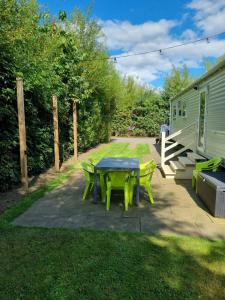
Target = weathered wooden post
(22,133)
(56,132)
(75,129)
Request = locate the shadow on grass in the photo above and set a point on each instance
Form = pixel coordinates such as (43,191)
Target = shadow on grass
(41,263)
(82,264)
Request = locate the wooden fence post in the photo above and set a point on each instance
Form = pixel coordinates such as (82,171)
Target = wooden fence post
(22,133)
(56,132)
(75,129)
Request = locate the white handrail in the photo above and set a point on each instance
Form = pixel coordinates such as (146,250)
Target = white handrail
(171,146)
(163,145)
(165,139)
(179,131)
(178,152)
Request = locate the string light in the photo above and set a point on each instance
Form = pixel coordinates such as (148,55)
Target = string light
(115,58)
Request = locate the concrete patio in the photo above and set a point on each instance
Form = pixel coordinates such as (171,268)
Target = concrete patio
(177,210)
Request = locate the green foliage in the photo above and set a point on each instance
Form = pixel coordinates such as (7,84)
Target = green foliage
(220,58)
(142,110)
(53,57)
(64,57)
(176,82)
(209,64)
(141,113)
(32,268)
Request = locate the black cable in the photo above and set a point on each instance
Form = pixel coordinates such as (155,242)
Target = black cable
(207,39)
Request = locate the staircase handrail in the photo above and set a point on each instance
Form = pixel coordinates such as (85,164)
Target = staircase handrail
(165,139)
(178,132)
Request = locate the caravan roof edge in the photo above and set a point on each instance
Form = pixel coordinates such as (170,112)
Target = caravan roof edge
(216,68)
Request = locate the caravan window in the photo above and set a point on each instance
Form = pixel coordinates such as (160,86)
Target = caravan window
(184,110)
(179,109)
(174,111)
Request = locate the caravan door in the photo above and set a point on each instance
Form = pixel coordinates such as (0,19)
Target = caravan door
(202,121)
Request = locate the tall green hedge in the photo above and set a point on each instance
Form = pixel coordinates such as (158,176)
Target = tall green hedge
(53,57)
(64,57)
(142,118)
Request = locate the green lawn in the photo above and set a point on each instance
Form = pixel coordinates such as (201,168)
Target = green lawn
(80,264)
(121,150)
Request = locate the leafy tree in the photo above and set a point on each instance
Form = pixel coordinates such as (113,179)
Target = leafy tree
(209,64)
(142,116)
(63,56)
(62,16)
(175,82)
(53,57)
(220,58)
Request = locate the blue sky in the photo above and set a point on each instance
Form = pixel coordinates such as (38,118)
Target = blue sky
(135,26)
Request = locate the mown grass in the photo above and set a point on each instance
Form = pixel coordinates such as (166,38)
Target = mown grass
(82,264)
(121,150)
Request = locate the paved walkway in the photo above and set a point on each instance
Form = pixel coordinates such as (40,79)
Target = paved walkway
(177,210)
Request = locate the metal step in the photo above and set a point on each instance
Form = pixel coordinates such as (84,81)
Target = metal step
(177,166)
(195,157)
(186,162)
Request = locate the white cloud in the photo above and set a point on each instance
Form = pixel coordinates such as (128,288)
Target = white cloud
(124,35)
(209,15)
(134,38)
(189,34)
(205,8)
(149,67)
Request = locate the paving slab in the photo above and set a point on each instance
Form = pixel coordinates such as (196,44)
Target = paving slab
(168,226)
(104,223)
(176,211)
(212,232)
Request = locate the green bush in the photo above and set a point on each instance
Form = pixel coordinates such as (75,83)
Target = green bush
(52,59)
(143,118)
(64,57)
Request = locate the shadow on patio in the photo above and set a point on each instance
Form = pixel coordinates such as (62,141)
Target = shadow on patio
(175,212)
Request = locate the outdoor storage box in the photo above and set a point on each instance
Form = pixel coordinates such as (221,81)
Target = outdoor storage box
(211,190)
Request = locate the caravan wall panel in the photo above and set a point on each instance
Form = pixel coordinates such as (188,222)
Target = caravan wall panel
(215,115)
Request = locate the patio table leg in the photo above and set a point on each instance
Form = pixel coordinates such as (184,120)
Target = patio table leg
(138,188)
(95,186)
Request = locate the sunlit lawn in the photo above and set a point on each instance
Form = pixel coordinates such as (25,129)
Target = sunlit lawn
(80,264)
(121,150)
(72,264)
